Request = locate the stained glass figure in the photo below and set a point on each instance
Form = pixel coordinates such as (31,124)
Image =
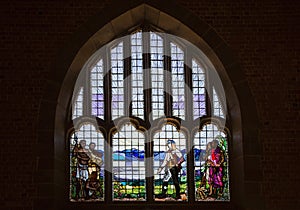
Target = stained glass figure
(211,164)
(170,165)
(129,165)
(86,165)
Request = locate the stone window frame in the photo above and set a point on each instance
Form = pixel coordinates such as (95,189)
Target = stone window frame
(111,22)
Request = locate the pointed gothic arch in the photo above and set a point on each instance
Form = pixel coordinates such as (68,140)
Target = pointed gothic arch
(107,25)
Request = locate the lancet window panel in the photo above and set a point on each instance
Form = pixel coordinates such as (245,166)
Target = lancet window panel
(87,164)
(78,105)
(137,80)
(211,164)
(199,90)
(129,165)
(178,81)
(117,81)
(169,150)
(157,75)
(217,105)
(97,89)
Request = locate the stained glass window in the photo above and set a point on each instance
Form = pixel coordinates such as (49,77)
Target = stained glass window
(211,164)
(129,164)
(147,140)
(170,181)
(86,164)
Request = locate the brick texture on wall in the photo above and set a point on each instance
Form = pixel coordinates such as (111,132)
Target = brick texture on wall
(264,35)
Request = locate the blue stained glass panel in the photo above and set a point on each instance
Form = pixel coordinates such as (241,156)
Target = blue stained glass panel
(129,165)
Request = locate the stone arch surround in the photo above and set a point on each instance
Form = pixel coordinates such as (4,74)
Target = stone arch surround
(108,24)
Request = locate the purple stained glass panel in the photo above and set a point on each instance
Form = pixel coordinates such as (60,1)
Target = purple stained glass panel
(199,105)
(179,103)
(199,97)
(116,99)
(97,104)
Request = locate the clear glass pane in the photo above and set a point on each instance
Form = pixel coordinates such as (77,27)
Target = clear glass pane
(178,83)
(157,75)
(218,109)
(137,82)
(78,105)
(117,75)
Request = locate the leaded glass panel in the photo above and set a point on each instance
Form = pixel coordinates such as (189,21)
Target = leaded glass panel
(97,90)
(137,80)
(178,83)
(78,104)
(117,81)
(157,75)
(170,172)
(199,95)
(87,164)
(211,164)
(129,165)
(218,109)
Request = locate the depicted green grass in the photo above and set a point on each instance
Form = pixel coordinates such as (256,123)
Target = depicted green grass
(171,189)
(121,191)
